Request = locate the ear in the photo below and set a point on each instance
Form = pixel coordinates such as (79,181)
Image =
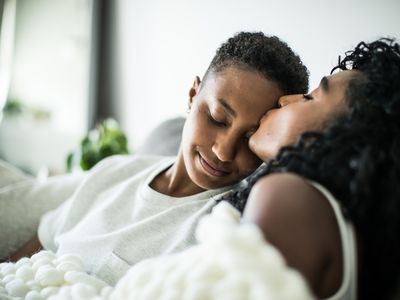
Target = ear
(194,90)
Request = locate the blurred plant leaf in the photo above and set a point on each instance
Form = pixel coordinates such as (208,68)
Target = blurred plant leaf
(13,107)
(105,140)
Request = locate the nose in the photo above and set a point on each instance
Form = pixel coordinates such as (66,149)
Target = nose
(225,147)
(288,99)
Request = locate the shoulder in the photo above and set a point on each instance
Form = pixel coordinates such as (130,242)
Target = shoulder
(287,200)
(298,220)
(283,192)
(137,162)
(118,168)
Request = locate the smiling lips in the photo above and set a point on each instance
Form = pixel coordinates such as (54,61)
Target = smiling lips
(212,170)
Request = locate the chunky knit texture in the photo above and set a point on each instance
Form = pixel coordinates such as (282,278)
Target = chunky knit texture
(232,261)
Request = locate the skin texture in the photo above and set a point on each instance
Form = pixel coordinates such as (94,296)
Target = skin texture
(299,221)
(300,113)
(214,150)
(292,214)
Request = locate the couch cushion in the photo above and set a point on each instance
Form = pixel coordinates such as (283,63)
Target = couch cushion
(164,139)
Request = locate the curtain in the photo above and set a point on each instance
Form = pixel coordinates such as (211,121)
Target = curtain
(7,25)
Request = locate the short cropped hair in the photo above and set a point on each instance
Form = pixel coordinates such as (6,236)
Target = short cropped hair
(267,55)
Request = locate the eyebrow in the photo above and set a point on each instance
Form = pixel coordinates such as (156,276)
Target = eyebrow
(325,83)
(232,112)
(227,107)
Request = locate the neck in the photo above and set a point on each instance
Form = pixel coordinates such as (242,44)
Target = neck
(175,181)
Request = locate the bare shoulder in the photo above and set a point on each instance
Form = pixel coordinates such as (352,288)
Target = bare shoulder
(283,193)
(285,201)
(297,219)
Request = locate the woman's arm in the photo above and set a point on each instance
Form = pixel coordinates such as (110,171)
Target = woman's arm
(19,195)
(30,248)
(298,220)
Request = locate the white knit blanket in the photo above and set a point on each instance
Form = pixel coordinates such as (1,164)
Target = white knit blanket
(232,261)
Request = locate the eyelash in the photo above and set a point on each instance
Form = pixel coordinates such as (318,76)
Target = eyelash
(307,97)
(215,122)
(223,124)
(248,136)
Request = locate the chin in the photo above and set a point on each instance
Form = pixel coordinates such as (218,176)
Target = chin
(207,183)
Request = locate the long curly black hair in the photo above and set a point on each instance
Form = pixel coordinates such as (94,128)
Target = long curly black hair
(358,159)
(267,55)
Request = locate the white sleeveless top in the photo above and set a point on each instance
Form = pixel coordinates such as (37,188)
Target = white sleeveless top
(348,288)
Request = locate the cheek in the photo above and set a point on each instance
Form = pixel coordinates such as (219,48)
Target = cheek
(197,130)
(275,131)
(301,121)
(298,123)
(270,132)
(247,161)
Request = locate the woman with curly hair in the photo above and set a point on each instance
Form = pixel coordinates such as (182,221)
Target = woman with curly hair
(330,200)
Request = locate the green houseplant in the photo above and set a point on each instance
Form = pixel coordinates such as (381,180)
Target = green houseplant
(105,140)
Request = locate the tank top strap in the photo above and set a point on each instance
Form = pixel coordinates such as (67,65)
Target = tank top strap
(348,287)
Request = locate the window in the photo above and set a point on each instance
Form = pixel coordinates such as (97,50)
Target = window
(50,73)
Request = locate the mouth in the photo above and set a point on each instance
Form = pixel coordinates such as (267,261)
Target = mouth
(211,169)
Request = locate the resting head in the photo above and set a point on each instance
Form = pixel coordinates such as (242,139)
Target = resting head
(347,138)
(297,114)
(363,92)
(244,80)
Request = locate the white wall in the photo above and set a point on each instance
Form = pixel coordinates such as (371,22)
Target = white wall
(162,44)
(51,62)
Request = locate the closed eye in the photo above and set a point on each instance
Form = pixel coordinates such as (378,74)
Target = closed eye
(214,121)
(307,97)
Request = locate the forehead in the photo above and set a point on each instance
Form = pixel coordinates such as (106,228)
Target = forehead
(339,81)
(330,95)
(333,87)
(245,91)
